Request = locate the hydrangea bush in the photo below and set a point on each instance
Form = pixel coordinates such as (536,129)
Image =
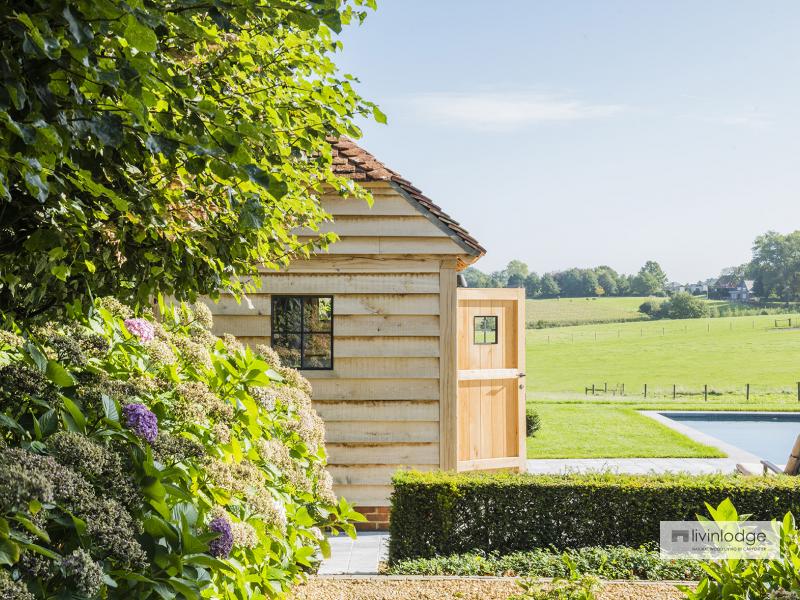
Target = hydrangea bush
(146,458)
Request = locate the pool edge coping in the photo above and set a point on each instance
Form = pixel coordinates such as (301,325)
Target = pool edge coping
(735,454)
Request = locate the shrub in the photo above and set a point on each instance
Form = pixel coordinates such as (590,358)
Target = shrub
(615,562)
(449,513)
(683,306)
(770,579)
(573,586)
(146,459)
(533,422)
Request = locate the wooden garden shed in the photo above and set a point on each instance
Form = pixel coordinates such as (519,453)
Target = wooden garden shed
(408,369)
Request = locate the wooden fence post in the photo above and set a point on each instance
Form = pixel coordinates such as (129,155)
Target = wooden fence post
(705,392)
(748,392)
(673,391)
(623,388)
(605,387)
(645,390)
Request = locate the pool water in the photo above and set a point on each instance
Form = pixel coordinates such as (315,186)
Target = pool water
(768,436)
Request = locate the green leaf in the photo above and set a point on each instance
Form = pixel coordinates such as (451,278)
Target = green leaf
(58,374)
(379,115)
(75,413)
(110,408)
(60,271)
(140,36)
(9,552)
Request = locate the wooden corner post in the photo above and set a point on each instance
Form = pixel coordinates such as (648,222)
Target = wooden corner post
(448,376)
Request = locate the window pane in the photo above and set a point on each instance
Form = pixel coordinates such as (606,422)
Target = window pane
(317,351)
(485,330)
(288,348)
(286,313)
(317,313)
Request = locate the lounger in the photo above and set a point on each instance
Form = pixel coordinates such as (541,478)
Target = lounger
(765,467)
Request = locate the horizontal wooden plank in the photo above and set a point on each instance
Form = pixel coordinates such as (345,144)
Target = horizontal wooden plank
(242,325)
(475,374)
(370,474)
(370,226)
(377,368)
(392,245)
(365,495)
(386,346)
(251,304)
(491,294)
(376,389)
(363,264)
(380,325)
(366,283)
(344,304)
(382,431)
(384,204)
(377,410)
(488,464)
(254,341)
(383,454)
(343,325)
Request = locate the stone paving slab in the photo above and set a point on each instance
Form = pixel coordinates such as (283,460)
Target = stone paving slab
(356,557)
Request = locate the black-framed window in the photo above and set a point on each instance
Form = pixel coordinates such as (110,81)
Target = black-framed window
(302,331)
(485,330)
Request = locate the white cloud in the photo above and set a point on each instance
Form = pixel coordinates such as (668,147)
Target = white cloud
(503,111)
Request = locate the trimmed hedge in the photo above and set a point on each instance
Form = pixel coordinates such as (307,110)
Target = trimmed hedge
(449,513)
(616,562)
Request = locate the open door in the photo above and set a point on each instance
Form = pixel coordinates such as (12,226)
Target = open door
(491,379)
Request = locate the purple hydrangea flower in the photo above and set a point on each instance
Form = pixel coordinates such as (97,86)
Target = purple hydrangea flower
(141,328)
(221,546)
(143,422)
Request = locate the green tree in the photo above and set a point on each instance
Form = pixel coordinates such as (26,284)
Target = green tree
(533,285)
(607,278)
(476,278)
(682,305)
(549,287)
(776,265)
(164,146)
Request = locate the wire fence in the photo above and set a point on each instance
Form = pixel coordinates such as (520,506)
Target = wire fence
(672,328)
(706,392)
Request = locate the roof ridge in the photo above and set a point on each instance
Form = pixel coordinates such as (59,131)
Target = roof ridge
(351,160)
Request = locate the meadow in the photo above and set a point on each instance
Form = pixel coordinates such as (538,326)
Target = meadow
(724,354)
(557,312)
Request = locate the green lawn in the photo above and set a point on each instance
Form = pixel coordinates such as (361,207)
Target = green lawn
(575,311)
(592,431)
(724,353)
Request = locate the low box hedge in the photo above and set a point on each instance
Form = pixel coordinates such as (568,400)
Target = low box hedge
(438,514)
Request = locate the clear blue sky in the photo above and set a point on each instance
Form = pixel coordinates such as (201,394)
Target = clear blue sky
(577,133)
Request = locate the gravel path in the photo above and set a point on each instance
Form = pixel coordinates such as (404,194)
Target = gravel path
(386,588)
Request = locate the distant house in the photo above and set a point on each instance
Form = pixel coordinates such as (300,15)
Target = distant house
(730,287)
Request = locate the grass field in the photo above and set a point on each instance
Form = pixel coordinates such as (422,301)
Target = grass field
(590,431)
(724,353)
(576,311)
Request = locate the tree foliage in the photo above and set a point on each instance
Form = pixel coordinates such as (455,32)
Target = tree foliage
(163,146)
(776,265)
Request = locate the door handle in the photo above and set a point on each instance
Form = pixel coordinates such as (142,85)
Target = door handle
(521,375)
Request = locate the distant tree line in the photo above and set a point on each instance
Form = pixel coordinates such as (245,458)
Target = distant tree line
(573,283)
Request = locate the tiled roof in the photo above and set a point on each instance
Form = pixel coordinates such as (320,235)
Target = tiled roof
(350,160)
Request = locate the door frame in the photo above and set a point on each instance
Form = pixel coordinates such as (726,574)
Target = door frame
(518,373)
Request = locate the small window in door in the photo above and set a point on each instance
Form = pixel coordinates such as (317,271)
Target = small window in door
(485,330)
(302,331)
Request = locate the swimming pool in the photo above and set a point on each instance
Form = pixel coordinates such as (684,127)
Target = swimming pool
(767,435)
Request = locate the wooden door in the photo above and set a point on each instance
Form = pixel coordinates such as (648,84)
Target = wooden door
(491,384)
